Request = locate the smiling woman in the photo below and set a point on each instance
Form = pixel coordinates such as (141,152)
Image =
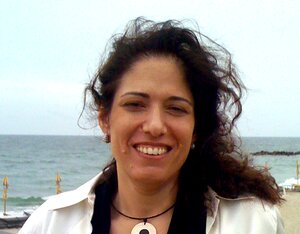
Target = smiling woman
(167,103)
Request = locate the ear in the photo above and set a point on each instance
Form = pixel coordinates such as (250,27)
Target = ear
(103,122)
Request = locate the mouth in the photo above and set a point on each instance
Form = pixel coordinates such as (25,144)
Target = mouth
(152,150)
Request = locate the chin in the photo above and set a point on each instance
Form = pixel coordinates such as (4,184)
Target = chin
(151,176)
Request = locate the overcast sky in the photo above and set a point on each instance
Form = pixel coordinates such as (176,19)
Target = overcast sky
(50,49)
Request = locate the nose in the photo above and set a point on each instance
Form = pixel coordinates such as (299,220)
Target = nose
(154,123)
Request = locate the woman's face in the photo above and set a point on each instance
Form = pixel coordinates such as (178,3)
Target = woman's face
(151,122)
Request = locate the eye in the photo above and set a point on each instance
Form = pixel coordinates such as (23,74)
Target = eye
(177,110)
(133,105)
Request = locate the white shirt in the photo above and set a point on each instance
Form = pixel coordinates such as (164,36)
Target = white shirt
(71,213)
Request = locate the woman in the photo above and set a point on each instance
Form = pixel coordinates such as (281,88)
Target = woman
(167,103)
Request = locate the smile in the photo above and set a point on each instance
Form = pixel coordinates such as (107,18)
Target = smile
(152,150)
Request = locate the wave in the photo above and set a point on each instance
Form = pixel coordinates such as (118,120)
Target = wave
(25,202)
(281,153)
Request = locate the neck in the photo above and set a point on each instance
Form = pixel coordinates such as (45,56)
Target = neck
(142,199)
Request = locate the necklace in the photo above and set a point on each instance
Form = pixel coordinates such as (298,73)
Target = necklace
(143,227)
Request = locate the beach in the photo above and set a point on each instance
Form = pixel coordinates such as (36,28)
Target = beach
(290,212)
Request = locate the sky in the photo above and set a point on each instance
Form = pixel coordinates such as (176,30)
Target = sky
(50,49)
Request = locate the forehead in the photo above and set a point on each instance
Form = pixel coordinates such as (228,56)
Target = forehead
(157,75)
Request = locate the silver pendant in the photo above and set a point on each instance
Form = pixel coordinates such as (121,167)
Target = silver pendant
(143,228)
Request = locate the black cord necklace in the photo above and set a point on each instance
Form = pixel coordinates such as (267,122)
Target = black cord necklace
(144,227)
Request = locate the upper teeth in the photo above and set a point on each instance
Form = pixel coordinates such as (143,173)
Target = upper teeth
(152,150)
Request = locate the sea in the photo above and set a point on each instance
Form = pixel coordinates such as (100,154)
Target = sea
(31,164)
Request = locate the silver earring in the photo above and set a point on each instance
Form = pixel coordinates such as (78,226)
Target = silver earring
(193,146)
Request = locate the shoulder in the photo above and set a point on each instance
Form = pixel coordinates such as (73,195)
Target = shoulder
(251,214)
(248,206)
(246,215)
(62,211)
(52,213)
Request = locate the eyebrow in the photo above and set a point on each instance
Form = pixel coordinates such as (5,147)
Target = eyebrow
(144,95)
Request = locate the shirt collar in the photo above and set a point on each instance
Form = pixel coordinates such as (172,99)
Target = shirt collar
(85,191)
(215,199)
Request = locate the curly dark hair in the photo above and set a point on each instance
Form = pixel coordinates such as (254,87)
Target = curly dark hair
(217,160)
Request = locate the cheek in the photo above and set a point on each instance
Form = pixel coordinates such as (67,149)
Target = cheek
(121,134)
(185,131)
(184,136)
